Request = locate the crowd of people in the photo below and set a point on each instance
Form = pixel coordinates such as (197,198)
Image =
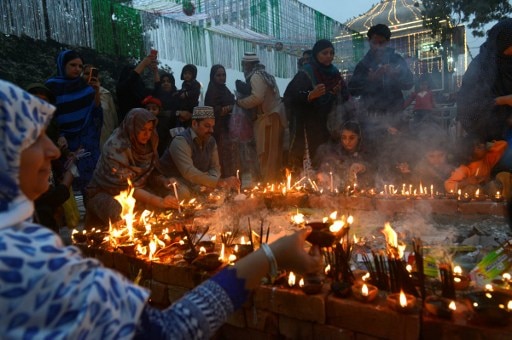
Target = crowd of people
(346,133)
(69,129)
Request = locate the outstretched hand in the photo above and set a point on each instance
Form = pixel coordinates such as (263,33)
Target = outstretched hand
(291,254)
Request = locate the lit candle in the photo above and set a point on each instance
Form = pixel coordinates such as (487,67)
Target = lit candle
(431,190)
(238,177)
(332,182)
(174,185)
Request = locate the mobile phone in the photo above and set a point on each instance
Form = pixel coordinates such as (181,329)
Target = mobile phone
(93,73)
(153,53)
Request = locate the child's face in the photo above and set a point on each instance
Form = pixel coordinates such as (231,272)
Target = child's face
(187,76)
(153,108)
(436,158)
(349,140)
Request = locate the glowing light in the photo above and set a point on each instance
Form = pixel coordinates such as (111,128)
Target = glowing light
(364,290)
(452,305)
(291,279)
(403,299)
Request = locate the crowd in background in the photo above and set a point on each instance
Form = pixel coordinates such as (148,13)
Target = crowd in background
(355,132)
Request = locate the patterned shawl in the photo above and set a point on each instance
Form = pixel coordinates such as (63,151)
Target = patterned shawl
(124,157)
(48,291)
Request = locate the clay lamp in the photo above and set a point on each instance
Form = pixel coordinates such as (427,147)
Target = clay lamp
(440,306)
(320,234)
(463,197)
(207,261)
(504,282)
(364,292)
(312,283)
(242,249)
(79,237)
(497,197)
(402,303)
(489,307)
(460,281)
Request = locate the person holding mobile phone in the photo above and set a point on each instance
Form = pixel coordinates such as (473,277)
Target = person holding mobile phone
(110,120)
(79,115)
(130,88)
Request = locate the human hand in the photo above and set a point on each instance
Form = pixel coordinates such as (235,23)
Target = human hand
(226,109)
(317,92)
(229,183)
(290,253)
(357,168)
(403,167)
(62,143)
(168,202)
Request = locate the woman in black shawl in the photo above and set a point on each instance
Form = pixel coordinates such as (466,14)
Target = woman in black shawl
(485,98)
(309,98)
(222,100)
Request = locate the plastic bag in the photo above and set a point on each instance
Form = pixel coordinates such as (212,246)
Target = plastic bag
(71,212)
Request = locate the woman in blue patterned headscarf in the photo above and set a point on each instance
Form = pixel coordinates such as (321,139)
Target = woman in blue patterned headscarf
(79,115)
(49,291)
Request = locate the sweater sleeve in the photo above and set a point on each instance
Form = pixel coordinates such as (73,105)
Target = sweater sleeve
(199,313)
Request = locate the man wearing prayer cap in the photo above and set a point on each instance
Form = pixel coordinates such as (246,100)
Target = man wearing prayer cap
(192,156)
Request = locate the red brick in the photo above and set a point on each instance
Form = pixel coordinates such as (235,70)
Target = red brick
(291,328)
(229,332)
(159,294)
(390,207)
(436,206)
(183,276)
(355,203)
(483,208)
(262,320)
(292,303)
(374,319)
(237,319)
(434,328)
(175,293)
(130,266)
(328,332)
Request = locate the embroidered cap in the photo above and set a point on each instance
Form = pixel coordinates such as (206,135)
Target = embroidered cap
(203,112)
(250,57)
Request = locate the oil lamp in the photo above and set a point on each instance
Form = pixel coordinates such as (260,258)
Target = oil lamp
(401,302)
(364,291)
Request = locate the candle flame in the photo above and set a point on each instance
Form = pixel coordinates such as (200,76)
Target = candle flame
(457,270)
(488,287)
(202,250)
(452,305)
(327,268)
(364,290)
(301,282)
(506,277)
(365,277)
(509,305)
(222,255)
(127,202)
(350,219)
(336,226)
(291,279)
(390,234)
(403,299)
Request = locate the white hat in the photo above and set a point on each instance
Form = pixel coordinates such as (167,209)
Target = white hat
(203,112)
(250,57)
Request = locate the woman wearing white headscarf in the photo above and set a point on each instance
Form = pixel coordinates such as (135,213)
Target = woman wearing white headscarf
(48,291)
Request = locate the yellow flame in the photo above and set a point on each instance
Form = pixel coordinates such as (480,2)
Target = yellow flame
(336,226)
(298,218)
(452,305)
(333,215)
(125,198)
(488,287)
(301,282)
(222,255)
(291,279)
(327,268)
(152,249)
(350,219)
(403,299)
(457,270)
(364,290)
(509,305)
(390,234)
(506,277)
(202,250)
(365,277)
